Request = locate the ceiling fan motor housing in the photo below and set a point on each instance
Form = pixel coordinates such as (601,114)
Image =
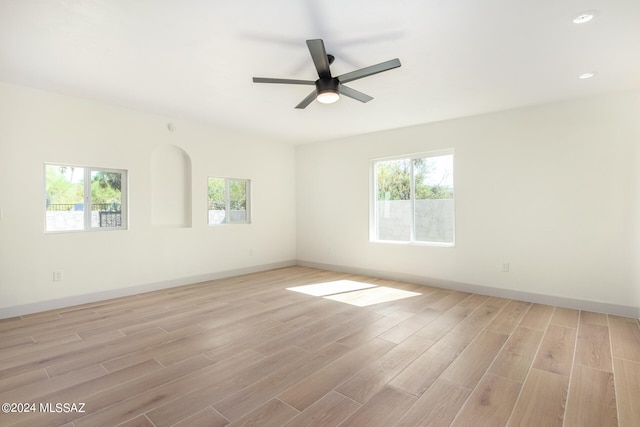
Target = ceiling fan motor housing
(327,90)
(327,85)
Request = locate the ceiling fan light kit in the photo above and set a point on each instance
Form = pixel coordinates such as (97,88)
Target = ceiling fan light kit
(328,88)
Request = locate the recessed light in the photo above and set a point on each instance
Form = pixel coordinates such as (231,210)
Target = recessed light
(585,76)
(586,16)
(581,19)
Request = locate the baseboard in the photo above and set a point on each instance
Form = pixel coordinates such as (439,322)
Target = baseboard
(599,307)
(55,304)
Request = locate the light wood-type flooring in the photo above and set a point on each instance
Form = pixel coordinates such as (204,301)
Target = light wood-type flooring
(339,349)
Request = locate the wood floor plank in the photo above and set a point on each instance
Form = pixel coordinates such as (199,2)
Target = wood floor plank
(48,386)
(490,404)
(331,410)
(57,337)
(506,321)
(422,372)
(208,417)
(625,338)
(18,381)
(556,351)
(437,407)
(327,317)
(221,351)
(63,391)
(251,397)
(128,345)
(449,301)
(566,317)
(443,324)
(594,318)
(374,329)
(382,410)
(481,317)
(50,355)
(592,400)
(104,392)
(144,401)
(140,421)
(313,387)
(537,317)
(274,413)
(47,391)
(373,377)
(408,327)
(8,342)
(229,380)
(469,367)
(417,304)
(516,357)
(338,330)
(542,400)
(627,383)
(593,348)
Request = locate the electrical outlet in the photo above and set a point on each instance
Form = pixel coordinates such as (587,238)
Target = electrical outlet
(58,276)
(505,267)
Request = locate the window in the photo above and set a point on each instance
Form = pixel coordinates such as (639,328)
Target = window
(413,199)
(69,190)
(229,201)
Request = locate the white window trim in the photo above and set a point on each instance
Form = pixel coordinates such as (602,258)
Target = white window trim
(373,192)
(124,205)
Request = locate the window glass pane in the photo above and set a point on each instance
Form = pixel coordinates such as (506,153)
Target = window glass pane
(414,199)
(217,201)
(106,199)
(64,198)
(434,208)
(393,200)
(237,201)
(228,200)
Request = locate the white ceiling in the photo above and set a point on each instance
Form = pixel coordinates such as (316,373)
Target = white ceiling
(194,59)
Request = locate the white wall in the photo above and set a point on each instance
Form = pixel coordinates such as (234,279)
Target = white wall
(38,127)
(552,190)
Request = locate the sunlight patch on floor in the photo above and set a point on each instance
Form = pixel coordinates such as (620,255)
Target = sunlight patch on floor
(330,288)
(355,293)
(372,296)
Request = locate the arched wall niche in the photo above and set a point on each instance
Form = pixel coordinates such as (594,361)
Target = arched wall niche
(170,187)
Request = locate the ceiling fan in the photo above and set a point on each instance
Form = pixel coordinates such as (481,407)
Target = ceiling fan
(328,88)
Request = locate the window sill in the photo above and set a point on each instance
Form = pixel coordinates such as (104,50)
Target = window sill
(427,244)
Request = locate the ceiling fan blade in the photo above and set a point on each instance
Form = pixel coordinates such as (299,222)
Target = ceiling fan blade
(319,56)
(369,71)
(352,93)
(308,100)
(285,81)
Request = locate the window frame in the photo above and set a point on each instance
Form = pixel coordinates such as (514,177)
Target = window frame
(373,198)
(227,201)
(87,198)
